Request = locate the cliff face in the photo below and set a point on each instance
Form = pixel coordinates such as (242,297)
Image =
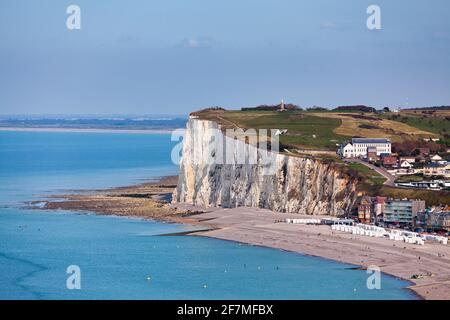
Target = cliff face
(296,185)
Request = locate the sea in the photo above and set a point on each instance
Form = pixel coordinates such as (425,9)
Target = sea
(80,255)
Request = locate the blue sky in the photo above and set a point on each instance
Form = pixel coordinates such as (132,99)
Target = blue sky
(176,56)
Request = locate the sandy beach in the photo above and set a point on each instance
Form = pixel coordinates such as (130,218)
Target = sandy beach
(263,227)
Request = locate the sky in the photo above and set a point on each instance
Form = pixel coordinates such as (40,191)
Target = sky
(177,56)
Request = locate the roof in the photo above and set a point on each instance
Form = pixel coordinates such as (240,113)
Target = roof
(435,165)
(345,144)
(390,201)
(370,140)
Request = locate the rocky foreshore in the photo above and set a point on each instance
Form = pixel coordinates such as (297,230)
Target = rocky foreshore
(150,200)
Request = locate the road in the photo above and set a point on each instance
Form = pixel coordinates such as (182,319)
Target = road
(389,178)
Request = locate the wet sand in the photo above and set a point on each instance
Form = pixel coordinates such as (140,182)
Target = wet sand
(149,200)
(263,227)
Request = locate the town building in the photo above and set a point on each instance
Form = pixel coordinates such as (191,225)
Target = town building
(357,148)
(389,161)
(402,171)
(421,159)
(405,164)
(372,154)
(365,210)
(402,212)
(435,158)
(437,169)
(409,159)
(346,150)
(379,206)
(370,209)
(434,219)
(429,185)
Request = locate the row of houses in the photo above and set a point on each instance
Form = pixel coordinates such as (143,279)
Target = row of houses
(437,169)
(390,211)
(436,166)
(402,213)
(434,218)
(428,170)
(378,150)
(410,161)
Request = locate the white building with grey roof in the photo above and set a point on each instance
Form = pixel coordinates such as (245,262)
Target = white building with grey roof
(358,147)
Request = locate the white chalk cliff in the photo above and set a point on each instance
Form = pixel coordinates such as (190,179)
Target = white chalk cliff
(296,185)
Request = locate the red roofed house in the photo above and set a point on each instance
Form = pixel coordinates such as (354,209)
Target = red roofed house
(389,161)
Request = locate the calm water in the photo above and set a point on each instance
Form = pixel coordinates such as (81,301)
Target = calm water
(123,258)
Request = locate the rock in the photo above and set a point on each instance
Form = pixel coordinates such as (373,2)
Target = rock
(297,185)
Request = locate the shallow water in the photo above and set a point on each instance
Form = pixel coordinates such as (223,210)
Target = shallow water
(124,258)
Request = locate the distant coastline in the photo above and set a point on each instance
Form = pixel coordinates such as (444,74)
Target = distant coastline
(112,124)
(89,130)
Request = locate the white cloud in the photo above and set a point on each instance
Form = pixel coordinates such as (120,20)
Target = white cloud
(203,42)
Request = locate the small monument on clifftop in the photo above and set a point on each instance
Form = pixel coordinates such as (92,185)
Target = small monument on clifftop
(282,108)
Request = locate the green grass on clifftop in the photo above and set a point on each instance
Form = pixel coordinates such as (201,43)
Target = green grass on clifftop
(436,125)
(372,178)
(304,131)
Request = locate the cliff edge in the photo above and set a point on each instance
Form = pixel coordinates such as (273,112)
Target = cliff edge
(295,185)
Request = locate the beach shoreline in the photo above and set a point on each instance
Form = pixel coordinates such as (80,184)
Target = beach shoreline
(262,227)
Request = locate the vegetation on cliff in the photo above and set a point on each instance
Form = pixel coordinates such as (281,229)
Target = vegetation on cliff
(315,134)
(323,130)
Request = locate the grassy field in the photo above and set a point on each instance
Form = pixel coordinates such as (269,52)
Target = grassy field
(318,130)
(437,122)
(372,179)
(410,178)
(304,130)
(373,125)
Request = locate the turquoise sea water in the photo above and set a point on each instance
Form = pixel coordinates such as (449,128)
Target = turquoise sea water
(123,258)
